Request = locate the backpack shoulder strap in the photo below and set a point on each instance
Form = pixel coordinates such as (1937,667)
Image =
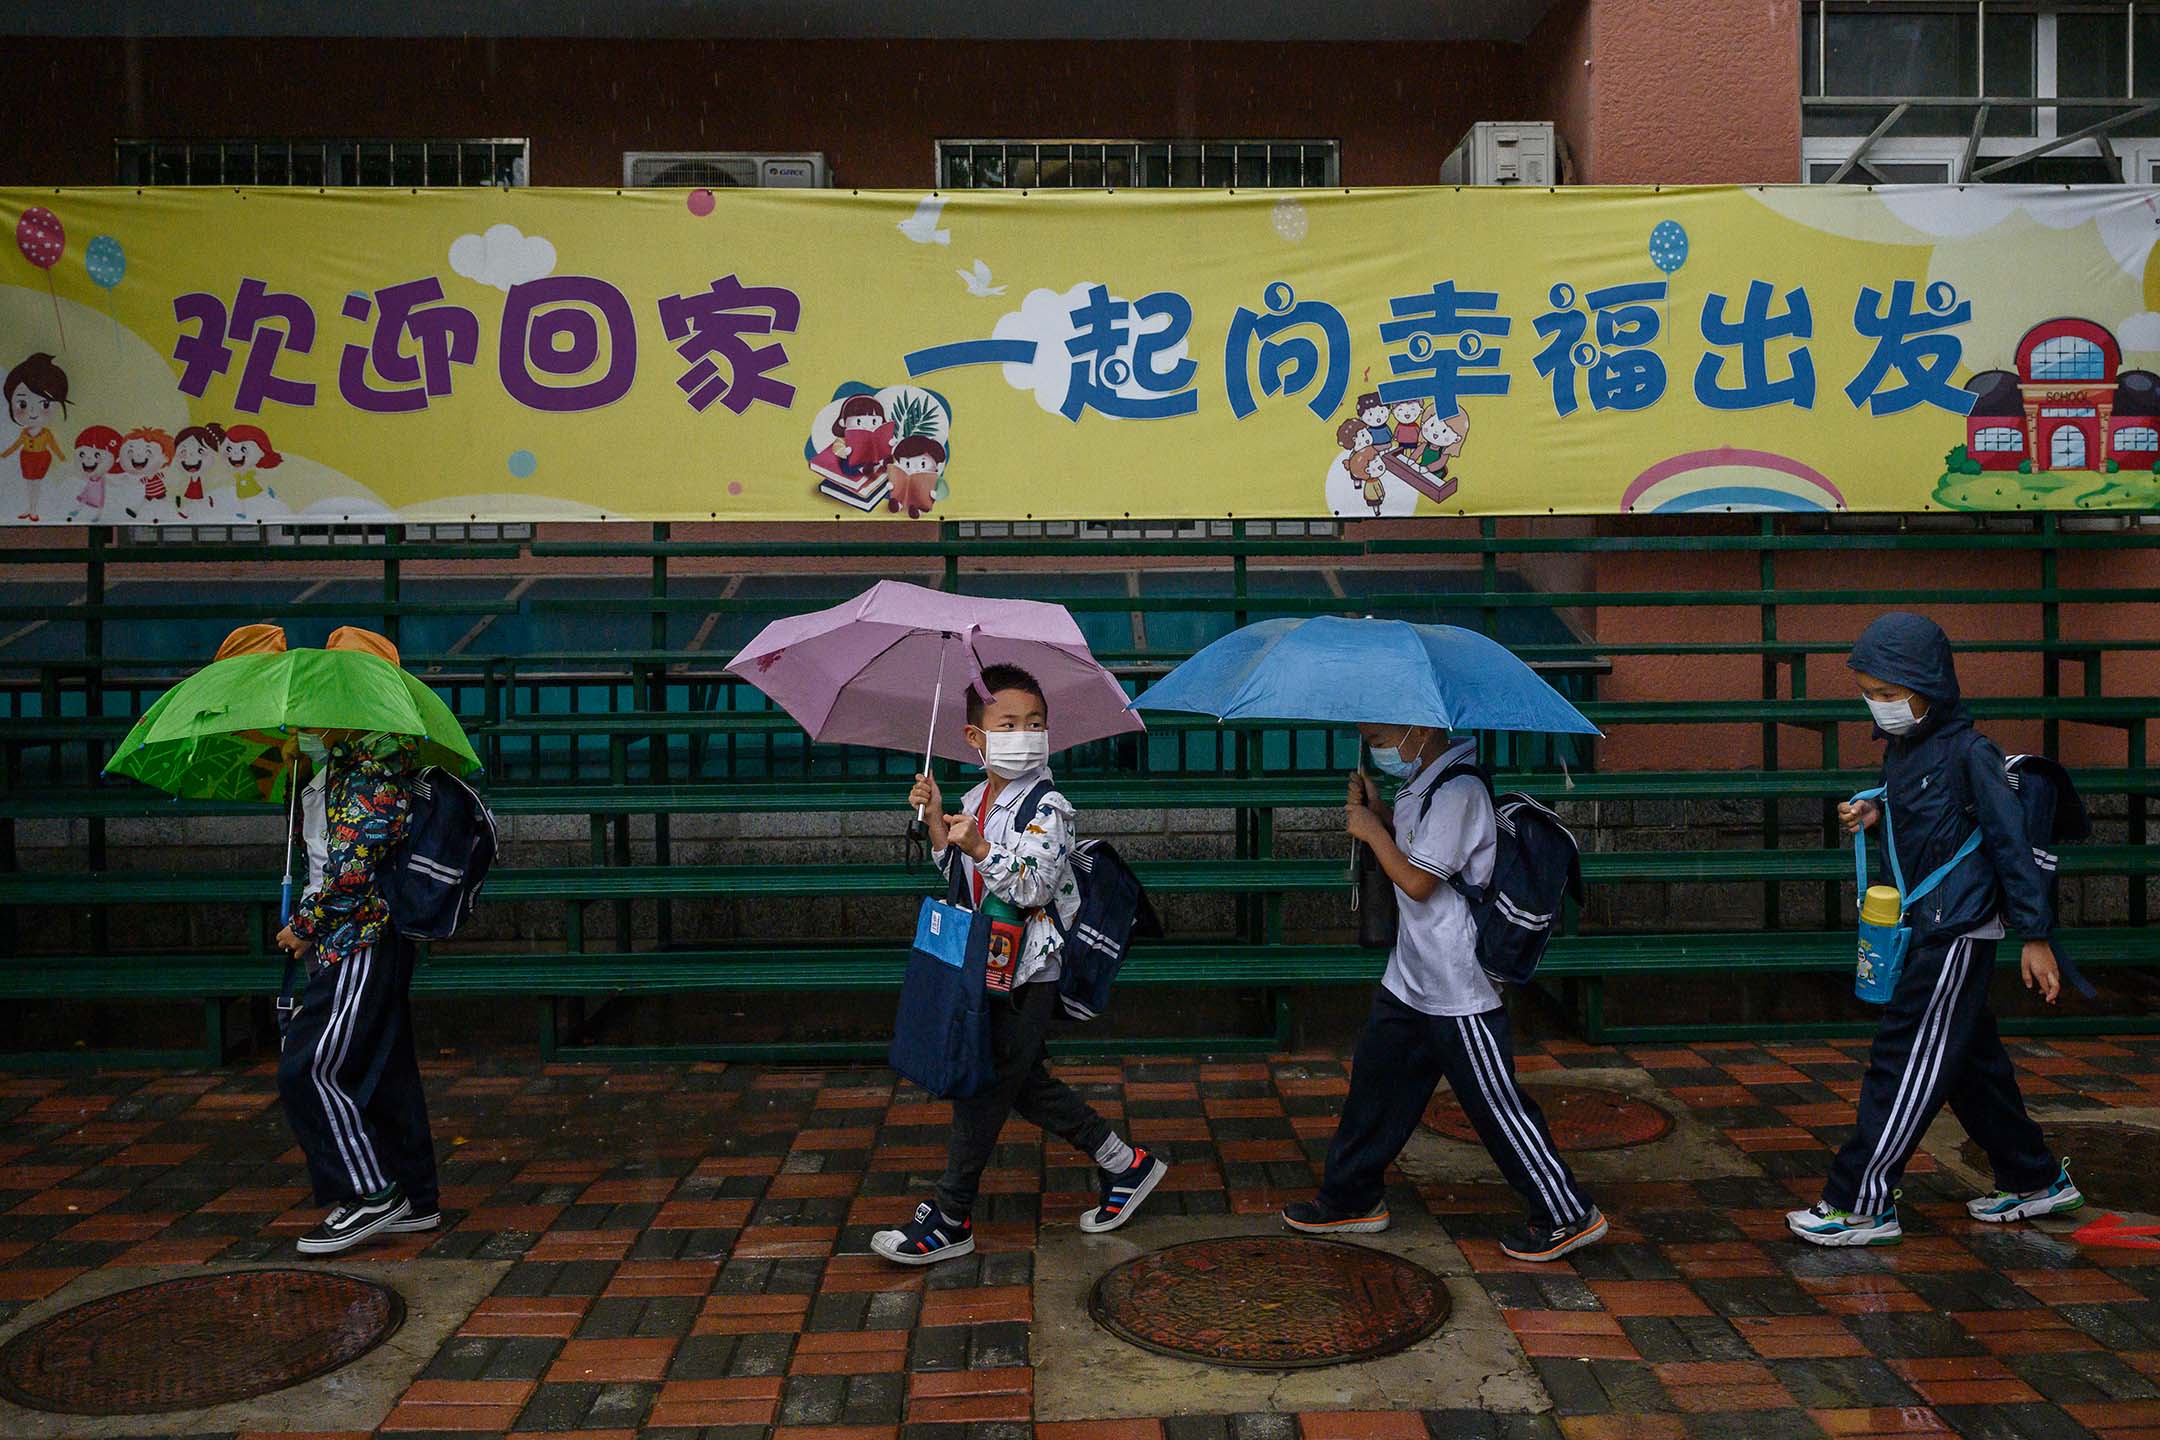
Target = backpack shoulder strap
(1475,894)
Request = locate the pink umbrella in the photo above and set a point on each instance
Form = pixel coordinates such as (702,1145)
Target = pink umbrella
(855,674)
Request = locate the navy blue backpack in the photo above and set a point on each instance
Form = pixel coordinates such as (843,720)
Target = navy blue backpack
(434,880)
(2054,815)
(1537,866)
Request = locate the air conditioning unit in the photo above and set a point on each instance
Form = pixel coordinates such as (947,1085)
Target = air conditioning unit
(711,169)
(1503,152)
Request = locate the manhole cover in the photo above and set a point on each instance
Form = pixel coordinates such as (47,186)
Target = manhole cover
(206,1340)
(1581,1117)
(2111,1162)
(1270,1302)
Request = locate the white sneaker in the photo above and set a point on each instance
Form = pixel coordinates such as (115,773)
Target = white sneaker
(1821,1225)
(2003,1206)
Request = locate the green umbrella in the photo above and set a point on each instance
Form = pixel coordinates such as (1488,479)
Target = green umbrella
(221,733)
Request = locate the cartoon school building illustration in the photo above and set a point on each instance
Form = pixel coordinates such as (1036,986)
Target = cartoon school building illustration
(2069,405)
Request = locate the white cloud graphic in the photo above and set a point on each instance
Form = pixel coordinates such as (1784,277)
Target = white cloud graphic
(1045,317)
(2126,222)
(503,257)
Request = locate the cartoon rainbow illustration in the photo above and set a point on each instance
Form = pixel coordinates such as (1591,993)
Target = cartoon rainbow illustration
(1729,479)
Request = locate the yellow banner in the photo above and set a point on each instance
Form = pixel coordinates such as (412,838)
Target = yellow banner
(218,357)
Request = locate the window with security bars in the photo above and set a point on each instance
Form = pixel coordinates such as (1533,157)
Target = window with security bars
(1125,164)
(412,164)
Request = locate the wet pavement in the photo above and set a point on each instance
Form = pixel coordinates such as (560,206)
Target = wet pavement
(679,1250)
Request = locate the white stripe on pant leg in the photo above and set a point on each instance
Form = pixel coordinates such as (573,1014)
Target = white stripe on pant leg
(1955,965)
(329,1057)
(1476,1056)
(363,1144)
(1511,1098)
(1925,1061)
(1863,1192)
(333,1117)
(1873,1195)
(330,1053)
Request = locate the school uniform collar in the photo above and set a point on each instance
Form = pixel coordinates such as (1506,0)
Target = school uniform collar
(1016,789)
(1426,778)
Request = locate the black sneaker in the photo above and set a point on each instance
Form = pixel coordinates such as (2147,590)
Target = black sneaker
(354,1221)
(415,1221)
(1123,1191)
(1536,1243)
(927,1239)
(1310,1217)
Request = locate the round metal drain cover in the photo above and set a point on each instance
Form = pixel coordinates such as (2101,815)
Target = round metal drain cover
(2111,1162)
(1581,1117)
(205,1340)
(1270,1302)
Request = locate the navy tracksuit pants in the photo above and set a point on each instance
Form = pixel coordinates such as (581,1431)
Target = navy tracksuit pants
(1402,1056)
(1938,1045)
(351,1080)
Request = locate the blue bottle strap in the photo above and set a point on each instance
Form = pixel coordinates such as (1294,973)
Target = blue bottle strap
(1859,839)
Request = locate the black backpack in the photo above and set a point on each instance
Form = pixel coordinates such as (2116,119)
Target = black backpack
(1114,911)
(1537,865)
(2054,815)
(434,880)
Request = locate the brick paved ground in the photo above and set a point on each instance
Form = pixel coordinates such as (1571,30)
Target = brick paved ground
(687,1244)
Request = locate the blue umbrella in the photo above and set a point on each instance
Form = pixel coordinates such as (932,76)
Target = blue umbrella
(1382,672)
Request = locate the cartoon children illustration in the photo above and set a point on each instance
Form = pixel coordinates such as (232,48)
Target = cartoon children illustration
(1405,433)
(917,462)
(1442,439)
(1373,415)
(1368,467)
(97,455)
(144,454)
(863,445)
(248,449)
(33,390)
(193,450)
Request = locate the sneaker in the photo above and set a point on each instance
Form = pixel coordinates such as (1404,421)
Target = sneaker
(1310,1217)
(415,1221)
(1123,1191)
(1821,1225)
(353,1222)
(1536,1243)
(929,1238)
(2003,1206)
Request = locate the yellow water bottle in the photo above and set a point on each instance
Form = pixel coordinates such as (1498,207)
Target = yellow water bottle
(1882,906)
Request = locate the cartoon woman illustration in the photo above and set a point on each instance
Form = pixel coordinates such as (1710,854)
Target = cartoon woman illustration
(917,462)
(97,455)
(193,450)
(144,454)
(862,446)
(33,390)
(1368,467)
(1372,413)
(248,449)
(1405,433)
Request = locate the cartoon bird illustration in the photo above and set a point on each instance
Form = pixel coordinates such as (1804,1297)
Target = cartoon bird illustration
(978,280)
(922,226)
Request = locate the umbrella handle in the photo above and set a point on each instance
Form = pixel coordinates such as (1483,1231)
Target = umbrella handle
(1355,889)
(918,842)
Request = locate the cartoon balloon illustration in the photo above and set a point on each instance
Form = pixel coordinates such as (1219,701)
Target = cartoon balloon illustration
(1668,251)
(105,260)
(107,263)
(39,236)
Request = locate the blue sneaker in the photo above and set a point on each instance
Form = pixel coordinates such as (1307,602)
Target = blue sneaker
(927,1239)
(1122,1192)
(1821,1225)
(2004,1206)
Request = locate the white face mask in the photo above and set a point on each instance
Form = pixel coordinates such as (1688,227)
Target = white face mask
(1894,717)
(1390,760)
(311,745)
(1012,753)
